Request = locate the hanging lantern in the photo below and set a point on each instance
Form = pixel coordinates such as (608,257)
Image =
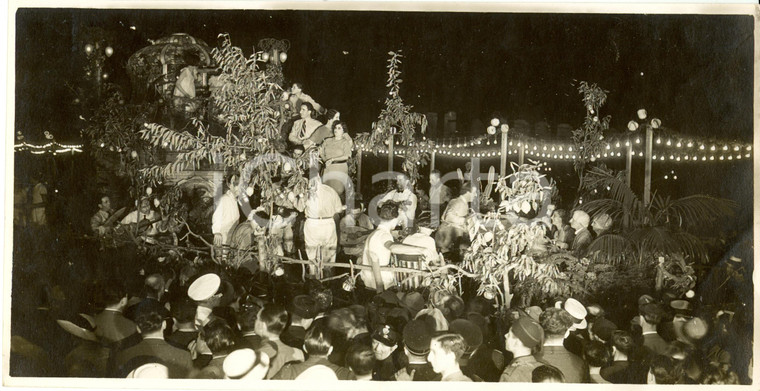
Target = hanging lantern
(283,56)
(88,49)
(494,122)
(655,123)
(265,56)
(633,125)
(156,202)
(642,113)
(134,154)
(491,130)
(148,190)
(109,51)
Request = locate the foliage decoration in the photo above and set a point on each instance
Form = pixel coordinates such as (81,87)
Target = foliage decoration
(397,119)
(248,104)
(589,138)
(504,249)
(249,107)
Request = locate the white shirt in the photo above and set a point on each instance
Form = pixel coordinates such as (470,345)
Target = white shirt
(375,251)
(406,210)
(226,216)
(137,216)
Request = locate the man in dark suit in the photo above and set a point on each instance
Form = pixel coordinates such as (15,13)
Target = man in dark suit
(151,325)
(183,313)
(111,325)
(318,346)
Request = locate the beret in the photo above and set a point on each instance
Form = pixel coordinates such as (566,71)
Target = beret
(528,331)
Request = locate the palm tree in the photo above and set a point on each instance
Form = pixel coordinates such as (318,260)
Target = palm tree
(663,227)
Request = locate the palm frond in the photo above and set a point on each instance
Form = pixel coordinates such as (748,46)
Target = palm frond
(691,246)
(633,210)
(656,241)
(613,249)
(692,211)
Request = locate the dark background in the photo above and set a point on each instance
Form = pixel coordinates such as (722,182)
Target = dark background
(695,72)
(697,69)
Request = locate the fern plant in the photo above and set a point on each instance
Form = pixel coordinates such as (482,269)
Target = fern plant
(664,227)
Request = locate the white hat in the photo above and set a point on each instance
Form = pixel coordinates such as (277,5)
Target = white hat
(150,371)
(239,363)
(317,372)
(204,287)
(577,311)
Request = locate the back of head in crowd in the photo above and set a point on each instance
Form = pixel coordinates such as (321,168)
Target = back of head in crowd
(547,374)
(388,212)
(360,359)
(149,320)
(274,317)
(597,354)
(318,341)
(555,322)
(183,311)
(664,370)
(218,336)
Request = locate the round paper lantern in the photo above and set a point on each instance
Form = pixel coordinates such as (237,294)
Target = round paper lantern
(88,48)
(641,113)
(109,51)
(495,122)
(283,56)
(655,123)
(265,56)
(491,130)
(633,125)
(148,190)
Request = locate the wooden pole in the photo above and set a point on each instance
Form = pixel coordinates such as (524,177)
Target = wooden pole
(521,157)
(628,157)
(432,161)
(648,167)
(504,153)
(390,153)
(359,172)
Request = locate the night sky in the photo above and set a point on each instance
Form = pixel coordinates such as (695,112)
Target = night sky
(692,71)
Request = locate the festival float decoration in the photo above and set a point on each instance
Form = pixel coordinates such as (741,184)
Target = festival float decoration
(249,108)
(398,124)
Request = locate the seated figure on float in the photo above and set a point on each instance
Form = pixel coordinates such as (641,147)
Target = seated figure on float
(226,214)
(456,220)
(403,196)
(355,226)
(143,219)
(379,247)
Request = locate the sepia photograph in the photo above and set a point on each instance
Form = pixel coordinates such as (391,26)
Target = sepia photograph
(264,195)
